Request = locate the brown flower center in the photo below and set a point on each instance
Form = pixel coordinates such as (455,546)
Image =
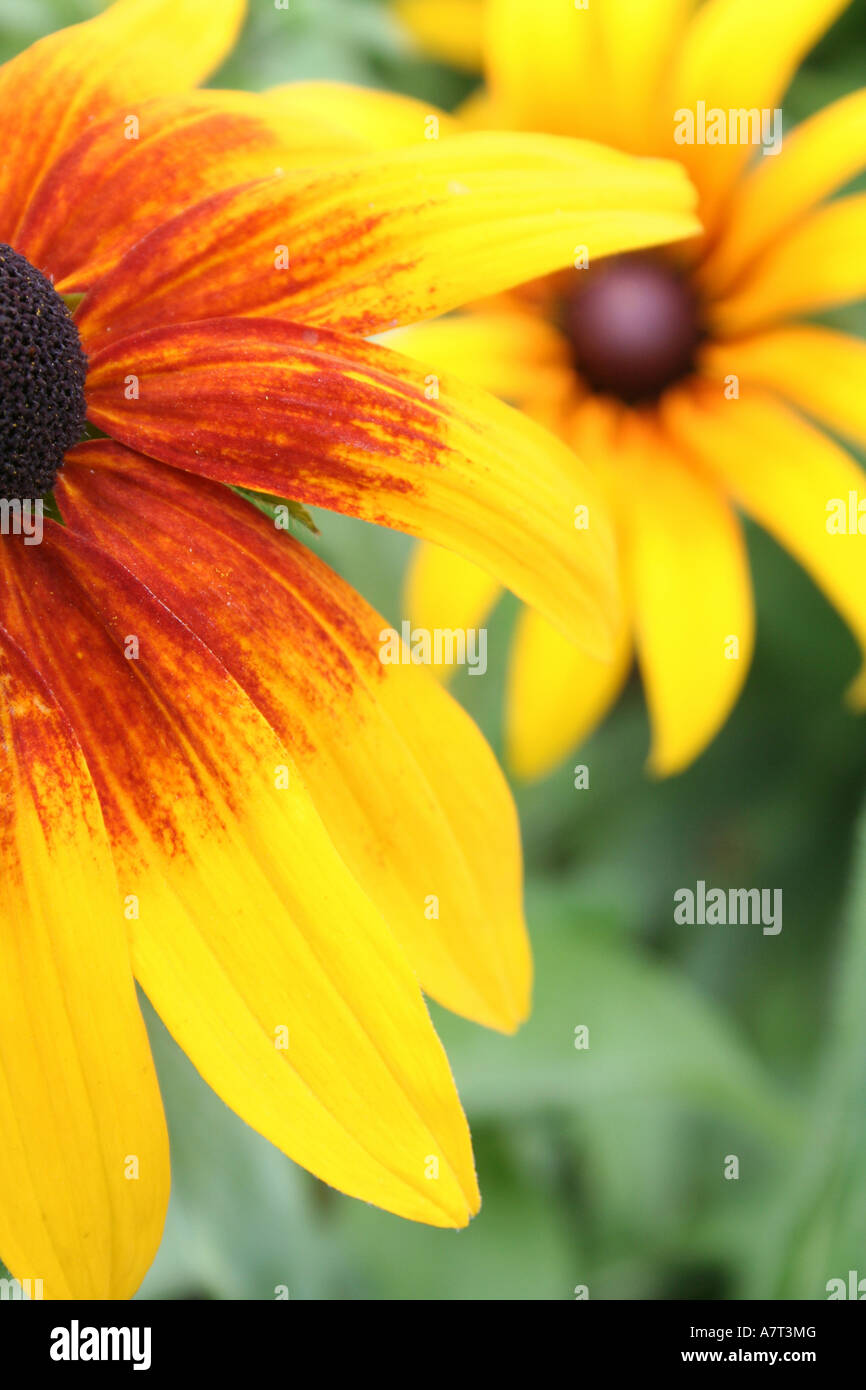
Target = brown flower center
(42,371)
(634,325)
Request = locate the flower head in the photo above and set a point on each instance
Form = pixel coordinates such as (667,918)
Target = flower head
(685,376)
(209,779)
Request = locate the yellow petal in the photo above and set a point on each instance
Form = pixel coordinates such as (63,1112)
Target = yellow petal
(445,591)
(521,358)
(690,592)
(737,55)
(786,474)
(451,30)
(821,155)
(594,70)
(816,266)
(636,41)
(481,112)
(84,1155)
(542,65)
(136,49)
(396,237)
(408,789)
(381,120)
(556,694)
(518,356)
(822,371)
(265,959)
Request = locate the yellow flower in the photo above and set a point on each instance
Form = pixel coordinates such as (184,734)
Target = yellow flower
(681,377)
(209,780)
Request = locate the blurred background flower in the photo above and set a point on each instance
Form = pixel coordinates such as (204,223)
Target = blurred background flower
(601,1167)
(635,361)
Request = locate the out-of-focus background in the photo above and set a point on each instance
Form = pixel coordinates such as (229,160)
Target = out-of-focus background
(603,1167)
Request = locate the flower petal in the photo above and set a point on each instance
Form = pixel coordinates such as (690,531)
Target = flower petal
(135,50)
(556,694)
(518,356)
(396,237)
(820,156)
(445,591)
(541,61)
(406,786)
(636,42)
(84,1156)
(821,371)
(348,425)
(265,959)
(361,115)
(689,588)
(816,266)
(785,474)
(589,70)
(448,29)
(107,190)
(737,55)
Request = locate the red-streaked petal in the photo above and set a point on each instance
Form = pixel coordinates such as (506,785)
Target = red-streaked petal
(408,789)
(118,181)
(135,50)
(265,959)
(84,1154)
(395,238)
(338,423)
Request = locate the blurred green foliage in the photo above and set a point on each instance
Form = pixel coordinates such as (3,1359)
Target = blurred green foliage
(600,1167)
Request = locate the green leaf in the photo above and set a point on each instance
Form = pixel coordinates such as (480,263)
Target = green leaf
(816,1229)
(651,1033)
(269,504)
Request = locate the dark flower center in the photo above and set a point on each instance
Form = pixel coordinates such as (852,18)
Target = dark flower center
(42,371)
(634,325)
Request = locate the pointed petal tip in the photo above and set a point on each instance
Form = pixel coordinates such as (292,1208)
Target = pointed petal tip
(855,695)
(524,765)
(454,1207)
(473,1204)
(510,1013)
(659,765)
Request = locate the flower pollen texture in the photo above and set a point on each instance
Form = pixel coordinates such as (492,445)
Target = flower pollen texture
(42,372)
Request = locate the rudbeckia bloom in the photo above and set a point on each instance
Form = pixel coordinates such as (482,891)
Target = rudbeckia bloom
(210,782)
(683,377)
